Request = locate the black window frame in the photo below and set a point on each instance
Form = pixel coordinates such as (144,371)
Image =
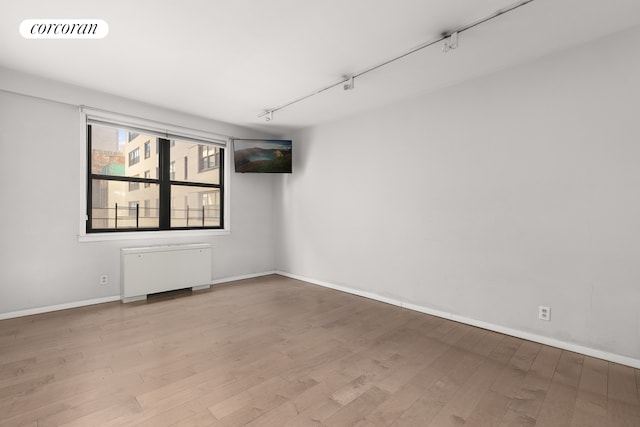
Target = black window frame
(163,181)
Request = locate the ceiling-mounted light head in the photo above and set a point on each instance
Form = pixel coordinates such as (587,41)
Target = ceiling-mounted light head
(267,114)
(451,42)
(349,85)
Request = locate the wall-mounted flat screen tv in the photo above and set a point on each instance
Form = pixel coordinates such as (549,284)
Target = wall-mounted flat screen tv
(262,155)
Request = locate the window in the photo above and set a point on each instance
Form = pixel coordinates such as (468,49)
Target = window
(209,158)
(135,185)
(133,208)
(117,202)
(172,171)
(188,210)
(134,157)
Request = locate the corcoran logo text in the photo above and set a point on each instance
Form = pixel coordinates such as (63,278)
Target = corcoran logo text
(64,28)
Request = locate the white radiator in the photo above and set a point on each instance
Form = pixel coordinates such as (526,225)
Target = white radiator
(154,269)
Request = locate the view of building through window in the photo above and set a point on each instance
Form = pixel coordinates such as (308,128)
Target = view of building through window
(129,185)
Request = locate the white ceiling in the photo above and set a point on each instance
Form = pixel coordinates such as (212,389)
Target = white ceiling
(231,59)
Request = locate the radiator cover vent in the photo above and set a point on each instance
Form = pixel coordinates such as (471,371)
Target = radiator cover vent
(152,269)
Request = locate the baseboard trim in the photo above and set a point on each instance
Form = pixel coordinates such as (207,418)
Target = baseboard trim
(342,288)
(58,307)
(243,277)
(76,304)
(587,351)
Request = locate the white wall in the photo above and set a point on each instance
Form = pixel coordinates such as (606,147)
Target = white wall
(487,199)
(41,261)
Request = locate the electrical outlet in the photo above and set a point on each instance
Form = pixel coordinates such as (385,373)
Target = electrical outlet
(104,279)
(544,313)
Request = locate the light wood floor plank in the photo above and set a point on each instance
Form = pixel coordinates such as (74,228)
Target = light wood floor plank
(525,406)
(508,379)
(442,379)
(358,408)
(557,408)
(591,403)
(622,393)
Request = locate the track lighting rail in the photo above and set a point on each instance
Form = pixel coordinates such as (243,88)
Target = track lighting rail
(451,43)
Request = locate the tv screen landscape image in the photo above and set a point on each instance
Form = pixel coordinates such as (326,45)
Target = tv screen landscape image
(262,155)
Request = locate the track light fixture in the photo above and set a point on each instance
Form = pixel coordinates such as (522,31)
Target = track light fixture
(450,42)
(268,115)
(349,85)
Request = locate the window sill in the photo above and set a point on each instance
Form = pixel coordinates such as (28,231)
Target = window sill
(142,235)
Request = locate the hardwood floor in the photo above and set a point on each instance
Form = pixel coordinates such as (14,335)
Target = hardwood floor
(273,351)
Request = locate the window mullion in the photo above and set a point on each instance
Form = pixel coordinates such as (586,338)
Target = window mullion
(165,184)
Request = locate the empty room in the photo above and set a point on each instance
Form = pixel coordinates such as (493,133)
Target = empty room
(331,213)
